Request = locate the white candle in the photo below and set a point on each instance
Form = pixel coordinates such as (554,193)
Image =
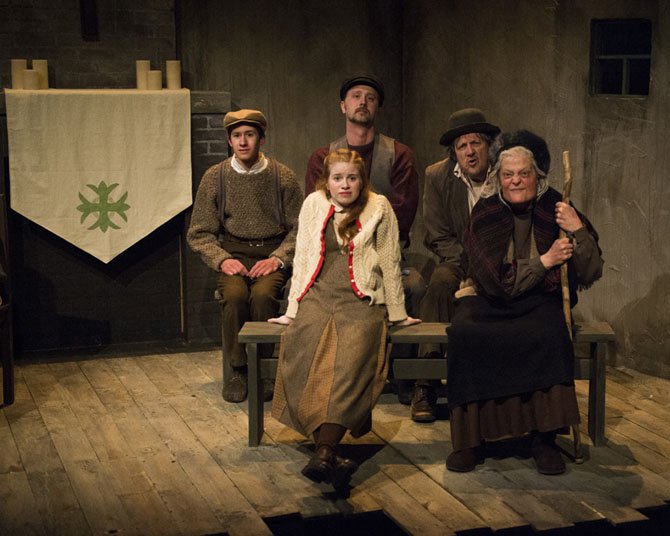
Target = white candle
(141,69)
(18,66)
(41,66)
(31,79)
(155,80)
(173,74)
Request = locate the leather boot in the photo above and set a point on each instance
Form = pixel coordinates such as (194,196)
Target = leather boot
(462,461)
(405,390)
(235,389)
(268,390)
(321,465)
(424,404)
(344,469)
(547,455)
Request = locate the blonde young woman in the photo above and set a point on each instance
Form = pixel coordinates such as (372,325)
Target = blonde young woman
(346,287)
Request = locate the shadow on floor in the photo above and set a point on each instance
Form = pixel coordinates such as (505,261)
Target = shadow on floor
(378,523)
(365,524)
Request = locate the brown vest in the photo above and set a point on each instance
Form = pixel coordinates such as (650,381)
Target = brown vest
(383,156)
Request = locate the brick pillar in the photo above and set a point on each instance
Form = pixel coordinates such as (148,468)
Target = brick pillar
(202,319)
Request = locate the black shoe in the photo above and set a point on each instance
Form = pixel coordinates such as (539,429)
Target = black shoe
(268,390)
(321,465)
(235,389)
(424,404)
(462,461)
(344,469)
(405,391)
(548,459)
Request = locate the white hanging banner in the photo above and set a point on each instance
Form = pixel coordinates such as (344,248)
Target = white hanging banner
(100,168)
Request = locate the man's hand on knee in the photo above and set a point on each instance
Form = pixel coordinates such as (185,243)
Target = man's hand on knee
(233,267)
(265,267)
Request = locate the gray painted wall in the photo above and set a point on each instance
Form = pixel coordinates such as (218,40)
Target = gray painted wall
(525,63)
(289,58)
(527,66)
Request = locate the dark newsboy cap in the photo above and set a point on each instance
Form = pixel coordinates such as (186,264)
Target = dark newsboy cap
(363,80)
(251,117)
(467,121)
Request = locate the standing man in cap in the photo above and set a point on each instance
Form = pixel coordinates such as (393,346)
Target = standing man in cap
(452,188)
(244,225)
(391,167)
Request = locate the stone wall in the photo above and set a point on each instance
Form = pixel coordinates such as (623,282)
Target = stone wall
(527,66)
(51,29)
(64,299)
(525,63)
(209,146)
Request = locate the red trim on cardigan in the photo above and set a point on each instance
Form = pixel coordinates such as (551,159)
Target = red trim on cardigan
(351,264)
(321,254)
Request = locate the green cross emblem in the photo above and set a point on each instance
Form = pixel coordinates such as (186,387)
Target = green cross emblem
(104,206)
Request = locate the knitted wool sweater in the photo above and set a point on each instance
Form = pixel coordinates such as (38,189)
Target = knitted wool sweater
(250,211)
(374,254)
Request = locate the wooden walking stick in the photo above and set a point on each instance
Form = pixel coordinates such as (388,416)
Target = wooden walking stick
(565,289)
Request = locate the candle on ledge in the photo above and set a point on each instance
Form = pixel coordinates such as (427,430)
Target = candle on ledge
(31,79)
(41,66)
(155,80)
(18,66)
(173,74)
(141,70)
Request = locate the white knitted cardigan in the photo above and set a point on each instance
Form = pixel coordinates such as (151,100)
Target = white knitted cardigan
(374,254)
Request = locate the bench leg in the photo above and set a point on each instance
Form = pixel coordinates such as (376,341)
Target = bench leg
(255,397)
(597,393)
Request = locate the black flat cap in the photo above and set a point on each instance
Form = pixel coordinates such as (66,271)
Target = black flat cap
(363,80)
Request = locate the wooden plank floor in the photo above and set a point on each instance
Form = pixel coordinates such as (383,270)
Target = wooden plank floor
(146,445)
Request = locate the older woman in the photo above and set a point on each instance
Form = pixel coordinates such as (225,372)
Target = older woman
(346,285)
(511,362)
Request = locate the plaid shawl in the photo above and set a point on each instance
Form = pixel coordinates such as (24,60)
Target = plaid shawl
(488,236)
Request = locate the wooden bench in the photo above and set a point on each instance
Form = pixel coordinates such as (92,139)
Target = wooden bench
(596,334)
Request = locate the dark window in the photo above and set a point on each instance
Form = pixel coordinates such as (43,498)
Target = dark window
(620,56)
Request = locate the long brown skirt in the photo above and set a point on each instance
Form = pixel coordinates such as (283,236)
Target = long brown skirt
(544,410)
(332,360)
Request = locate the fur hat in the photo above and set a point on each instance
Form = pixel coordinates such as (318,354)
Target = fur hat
(363,79)
(524,138)
(467,121)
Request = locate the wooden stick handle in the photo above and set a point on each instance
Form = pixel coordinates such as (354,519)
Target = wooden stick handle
(567,177)
(565,286)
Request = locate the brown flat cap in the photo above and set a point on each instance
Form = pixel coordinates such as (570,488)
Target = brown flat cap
(252,117)
(466,121)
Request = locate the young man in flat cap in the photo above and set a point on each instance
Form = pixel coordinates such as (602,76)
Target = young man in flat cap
(244,225)
(389,164)
(452,188)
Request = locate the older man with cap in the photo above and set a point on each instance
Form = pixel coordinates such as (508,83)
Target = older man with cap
(391,167)
(451,189)
(244,225)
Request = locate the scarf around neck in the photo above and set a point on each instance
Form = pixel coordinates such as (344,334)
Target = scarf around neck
(487,239)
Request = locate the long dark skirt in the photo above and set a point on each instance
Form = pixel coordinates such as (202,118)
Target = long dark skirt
(510,369)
